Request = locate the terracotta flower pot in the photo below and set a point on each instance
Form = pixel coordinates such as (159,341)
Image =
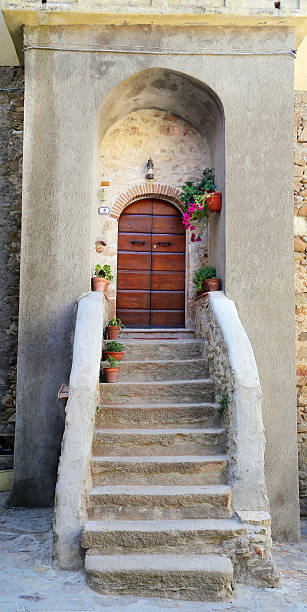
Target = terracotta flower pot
(115,354)
(100,284)
(110,374)
(213,284)
(113,331)
(214,201)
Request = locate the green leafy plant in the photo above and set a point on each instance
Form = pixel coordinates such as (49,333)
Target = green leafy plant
(114,346)
(223,401)
(194,198)
(192,192)
(104,272)
(115,323)
(113,363)
(202,274)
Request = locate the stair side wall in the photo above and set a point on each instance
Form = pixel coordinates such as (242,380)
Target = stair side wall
(74,479)
(234,371)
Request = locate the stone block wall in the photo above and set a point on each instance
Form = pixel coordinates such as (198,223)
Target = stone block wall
(11,141)
(300,272)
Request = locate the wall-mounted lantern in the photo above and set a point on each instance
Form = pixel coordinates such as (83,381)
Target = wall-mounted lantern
(150,169)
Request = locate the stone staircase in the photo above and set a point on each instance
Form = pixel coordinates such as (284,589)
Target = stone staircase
(159,513)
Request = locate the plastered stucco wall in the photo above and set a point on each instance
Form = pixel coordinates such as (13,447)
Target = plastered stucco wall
(179,152)
(64,93)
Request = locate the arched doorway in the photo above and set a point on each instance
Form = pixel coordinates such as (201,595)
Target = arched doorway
(178,122)
(151,265)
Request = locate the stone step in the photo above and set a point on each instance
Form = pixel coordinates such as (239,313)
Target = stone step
(157,333)
(158,415)
(143,371)
(200,536)
(141,442)
(155,392)
(153,350)
(187,577)
(159,470)
(159,502)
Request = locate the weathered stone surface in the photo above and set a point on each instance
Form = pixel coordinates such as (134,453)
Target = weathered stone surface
(205,577)
(164,441)
(302,136)
(73,471)
(158,392)
(187,369)
(234,371)
(29,581)
(180,470)
(205,536)
(164,332)
(300,247)
(302,211)
(159,502)
(11,141)
(154,415)
(163,349)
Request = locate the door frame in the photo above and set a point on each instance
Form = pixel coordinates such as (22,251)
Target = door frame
(171,195)
(162,199)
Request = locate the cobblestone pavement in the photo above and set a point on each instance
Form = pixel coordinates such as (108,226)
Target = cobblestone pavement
(28,582)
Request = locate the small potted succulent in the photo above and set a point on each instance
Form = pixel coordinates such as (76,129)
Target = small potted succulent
(111,372)
(113,349)
(102,278)
(204,279)
(113,328)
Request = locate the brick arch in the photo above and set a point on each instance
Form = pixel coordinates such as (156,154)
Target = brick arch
(171,194)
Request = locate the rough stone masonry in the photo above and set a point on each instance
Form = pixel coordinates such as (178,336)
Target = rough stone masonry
(11,140)
(300,263)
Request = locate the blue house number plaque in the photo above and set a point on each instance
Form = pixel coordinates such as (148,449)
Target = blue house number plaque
(103,210)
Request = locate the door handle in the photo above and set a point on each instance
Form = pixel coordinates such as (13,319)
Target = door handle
(164,243)
(138,242)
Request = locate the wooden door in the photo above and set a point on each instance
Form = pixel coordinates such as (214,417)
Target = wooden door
(151,265)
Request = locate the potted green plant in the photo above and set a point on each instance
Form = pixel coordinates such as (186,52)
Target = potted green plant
(113,349)
(204,279)
(113,328)
(111,372)
(102,277)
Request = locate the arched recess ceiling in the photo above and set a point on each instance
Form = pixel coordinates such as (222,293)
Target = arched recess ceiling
(170,91)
